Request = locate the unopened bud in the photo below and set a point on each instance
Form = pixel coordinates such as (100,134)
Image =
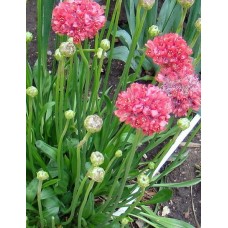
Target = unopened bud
(99,53)
(125,221)
(118,153)
(105,44)
(29,37)
(32,91)
(198,24)
(96,174)
(151,165)
(67,49)
(71,40)
(143,180)
(146,4)
(183,123)
(42,175)
(186,3)
(69,114)
(97,158)
(58,55)
(153,30)
(93,123)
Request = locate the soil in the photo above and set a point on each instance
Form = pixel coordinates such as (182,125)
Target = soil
(182,203)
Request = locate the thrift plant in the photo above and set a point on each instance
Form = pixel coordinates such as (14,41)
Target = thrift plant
(85,140)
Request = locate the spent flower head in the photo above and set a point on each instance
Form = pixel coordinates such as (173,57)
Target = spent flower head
(105,44)
(144,107)
(96,174)
(78,19)
(29,37)
(143,180)
(69,114)
(93,123)
(146,4)
(67,49)
(97,158)
(198,24)
(42,175)
(32,91)
(153,30)
(183,123)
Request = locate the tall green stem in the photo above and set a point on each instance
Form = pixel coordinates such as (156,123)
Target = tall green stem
(39,203)
(29,136)
(195,38)
(60,74)
(130,158)
(59,151)
(123,78)
(183,15)
(84,202)
(73,206)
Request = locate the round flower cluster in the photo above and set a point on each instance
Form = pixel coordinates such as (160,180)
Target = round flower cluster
(144,107)
(185,93)
(79,19)
(169,50)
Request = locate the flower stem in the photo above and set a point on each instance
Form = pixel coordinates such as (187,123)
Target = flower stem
(180,26)
(195,38)
(29,135)
(59,151)
(84,202)
(75,201)
(123,78)
(131,208)
(39,203)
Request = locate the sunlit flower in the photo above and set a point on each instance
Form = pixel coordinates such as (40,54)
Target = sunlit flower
(169,50)
(144,107)
(80,19)
(185,93)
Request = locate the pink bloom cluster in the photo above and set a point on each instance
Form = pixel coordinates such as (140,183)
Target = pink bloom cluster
(144,107)
(171,53)
(185,93)
(176,74)
(80,19)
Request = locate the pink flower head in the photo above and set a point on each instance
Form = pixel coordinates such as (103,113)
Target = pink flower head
(169,50)
(80,19)
(144,107)
(185,93)
(175,72)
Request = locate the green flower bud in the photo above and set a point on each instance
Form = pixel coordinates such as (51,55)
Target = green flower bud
(153,30)
(183,123)
(186,3)
(105,44)
(67,49)
(58,55)
(118,153)
(69,114)
(151,165)
(143,180)
(42,175)
(198,24)
(96,174)
(93,123)
(29,37)
(125,221)
(32,91)
(146,4)
(97,158)
(99,53)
